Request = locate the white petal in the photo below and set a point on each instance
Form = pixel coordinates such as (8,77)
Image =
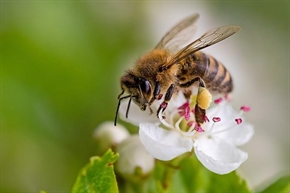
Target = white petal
(238,135)
(218,156)
(136,115)
(227,114)
(133,155)
(163,144)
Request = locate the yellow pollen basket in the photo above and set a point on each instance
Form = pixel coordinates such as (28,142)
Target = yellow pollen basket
(204,98)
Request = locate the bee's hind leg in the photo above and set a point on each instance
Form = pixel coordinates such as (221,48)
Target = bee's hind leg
(199,113)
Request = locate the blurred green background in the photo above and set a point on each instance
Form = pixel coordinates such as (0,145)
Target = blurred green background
(60,69)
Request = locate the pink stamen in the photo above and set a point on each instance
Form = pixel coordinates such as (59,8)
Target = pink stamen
(163,105)
(181,113)
(198,129)
(184,106)
(190,123)
(205,119)
(216,119)
(239,121)
(193,110)
(185,111)
(217,101)
(245,108)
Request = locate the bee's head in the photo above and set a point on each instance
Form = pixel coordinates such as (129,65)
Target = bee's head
(139,89)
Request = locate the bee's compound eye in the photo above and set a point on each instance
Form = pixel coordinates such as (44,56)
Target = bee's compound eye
(145,86)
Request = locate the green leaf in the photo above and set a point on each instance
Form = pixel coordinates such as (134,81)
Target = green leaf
(196,178)
(282,185)
(98,175)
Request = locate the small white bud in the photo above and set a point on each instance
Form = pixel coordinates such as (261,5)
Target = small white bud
(133,155)
(108,135)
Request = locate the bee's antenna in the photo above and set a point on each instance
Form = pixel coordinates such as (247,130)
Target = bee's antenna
(116,116)
(129,103)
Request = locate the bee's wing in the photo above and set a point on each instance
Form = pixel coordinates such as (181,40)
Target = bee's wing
(179,34)
(209,38)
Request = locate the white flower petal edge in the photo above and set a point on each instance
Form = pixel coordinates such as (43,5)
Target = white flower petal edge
(163,144)
(238,135)
(218,156)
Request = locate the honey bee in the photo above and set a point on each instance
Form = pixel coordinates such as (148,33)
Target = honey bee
(165,70)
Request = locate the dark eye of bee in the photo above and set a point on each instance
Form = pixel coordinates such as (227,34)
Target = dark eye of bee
(145,86)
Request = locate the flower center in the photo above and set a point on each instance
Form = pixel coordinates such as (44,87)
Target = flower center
(183,120)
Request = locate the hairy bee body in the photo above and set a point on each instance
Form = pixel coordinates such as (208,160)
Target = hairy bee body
(147,67)
(165,70)
(213,73)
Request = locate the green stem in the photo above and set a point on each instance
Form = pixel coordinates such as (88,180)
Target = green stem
(138,187)
(167,178)
(170,169)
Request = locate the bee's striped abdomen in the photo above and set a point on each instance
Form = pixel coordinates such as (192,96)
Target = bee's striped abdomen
(215,75)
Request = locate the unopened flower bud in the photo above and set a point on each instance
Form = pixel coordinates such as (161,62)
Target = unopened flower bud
(108,135)
(133,156)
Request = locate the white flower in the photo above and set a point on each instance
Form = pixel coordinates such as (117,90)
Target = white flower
(133,155)
(214,142)
(108,135)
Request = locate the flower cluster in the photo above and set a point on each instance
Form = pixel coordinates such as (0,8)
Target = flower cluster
(176,132)
(133,155)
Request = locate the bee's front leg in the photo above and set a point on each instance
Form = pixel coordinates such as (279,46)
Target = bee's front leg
(167,98)
(156,93)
